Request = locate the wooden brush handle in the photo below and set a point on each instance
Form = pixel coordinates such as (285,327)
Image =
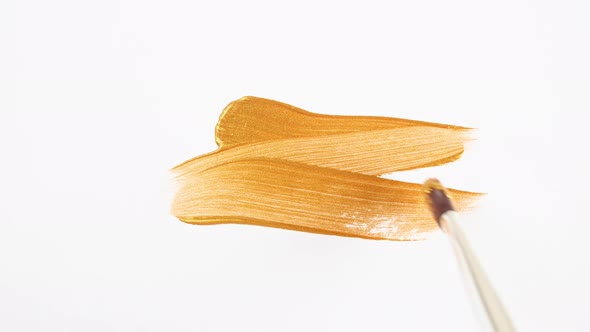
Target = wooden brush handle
(485,299)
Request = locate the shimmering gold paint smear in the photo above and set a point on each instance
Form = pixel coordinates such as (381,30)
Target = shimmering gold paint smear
(252,119)
(280,166)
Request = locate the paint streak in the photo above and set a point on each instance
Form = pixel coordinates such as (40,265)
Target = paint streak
(280,166)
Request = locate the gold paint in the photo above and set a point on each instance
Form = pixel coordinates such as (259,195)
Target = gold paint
(280,166)
(434,184)
(374,152)
(253,119)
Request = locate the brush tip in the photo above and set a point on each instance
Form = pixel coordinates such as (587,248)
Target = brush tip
(437,198)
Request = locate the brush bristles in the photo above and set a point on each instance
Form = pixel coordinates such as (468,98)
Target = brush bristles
(437,197)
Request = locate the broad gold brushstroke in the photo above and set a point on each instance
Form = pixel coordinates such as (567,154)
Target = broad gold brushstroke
(285,194)
(280,166)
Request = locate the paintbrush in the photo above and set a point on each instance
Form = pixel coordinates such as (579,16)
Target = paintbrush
(485,299)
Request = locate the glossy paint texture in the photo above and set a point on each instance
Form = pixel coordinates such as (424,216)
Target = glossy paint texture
(280,166)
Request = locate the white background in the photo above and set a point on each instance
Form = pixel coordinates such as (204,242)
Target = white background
(98,99)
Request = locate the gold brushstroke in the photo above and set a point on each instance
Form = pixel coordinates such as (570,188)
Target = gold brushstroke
(280,166)
(253,119)
(374,152)
(280,193)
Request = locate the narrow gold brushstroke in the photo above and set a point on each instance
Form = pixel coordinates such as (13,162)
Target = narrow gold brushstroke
(252,119)
(280,166)
(374,152)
